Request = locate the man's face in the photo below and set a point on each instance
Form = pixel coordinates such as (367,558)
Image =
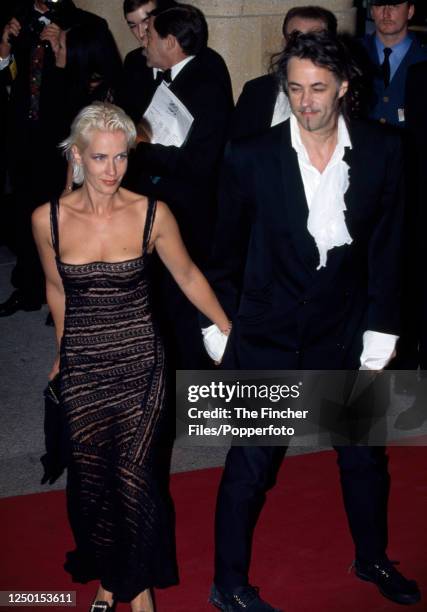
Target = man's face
(392,19)
(314,94)
(299,24)
(41,6)
(138,21)
(156,48)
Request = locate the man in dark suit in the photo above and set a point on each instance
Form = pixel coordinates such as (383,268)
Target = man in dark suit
(310,218)
(138,82)
(55,58)
(391,50)
(262,103)
(184,177)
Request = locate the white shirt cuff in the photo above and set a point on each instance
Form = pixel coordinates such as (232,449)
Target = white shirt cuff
(378,349)
(4,62)
(215,342)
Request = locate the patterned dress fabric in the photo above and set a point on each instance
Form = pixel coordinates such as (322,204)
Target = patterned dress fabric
(112,385)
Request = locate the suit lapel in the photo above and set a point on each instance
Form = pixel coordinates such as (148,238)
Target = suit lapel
(352,158)
(184,76)
(270,93)
(296,207)
(407,60)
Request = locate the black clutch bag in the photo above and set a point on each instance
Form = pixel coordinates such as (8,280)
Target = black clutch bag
(55,459)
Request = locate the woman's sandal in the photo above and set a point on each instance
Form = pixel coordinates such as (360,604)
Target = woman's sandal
(102,606)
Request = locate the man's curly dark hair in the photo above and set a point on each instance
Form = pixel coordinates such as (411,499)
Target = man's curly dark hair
(327,51)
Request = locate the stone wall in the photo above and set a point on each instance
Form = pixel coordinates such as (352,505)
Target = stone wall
(245,32)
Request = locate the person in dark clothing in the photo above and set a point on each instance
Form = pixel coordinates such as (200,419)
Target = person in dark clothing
(391,49)
(307,264)
(185,177)
(262,102)
(56,58)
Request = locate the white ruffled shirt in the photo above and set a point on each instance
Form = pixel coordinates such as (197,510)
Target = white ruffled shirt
(326,223)
(324,192)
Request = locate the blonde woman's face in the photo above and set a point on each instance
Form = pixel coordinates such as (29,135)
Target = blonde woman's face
(104,160)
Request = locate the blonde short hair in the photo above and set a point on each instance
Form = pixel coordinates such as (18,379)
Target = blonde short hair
(100,116)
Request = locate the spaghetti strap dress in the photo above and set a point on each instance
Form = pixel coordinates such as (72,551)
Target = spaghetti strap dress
(112,389)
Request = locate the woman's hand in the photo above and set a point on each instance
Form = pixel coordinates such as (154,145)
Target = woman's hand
(143,131)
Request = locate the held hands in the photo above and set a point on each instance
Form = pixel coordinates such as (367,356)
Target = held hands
(12,28)
(56,37)
(215,341)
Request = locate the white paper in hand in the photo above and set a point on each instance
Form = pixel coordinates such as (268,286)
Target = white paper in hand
(169,119)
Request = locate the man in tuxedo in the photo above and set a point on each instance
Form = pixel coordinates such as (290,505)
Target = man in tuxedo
(306,263)
(391,49)
(138,82)
(262,103)
(184,177)
(136,88)
(55,58)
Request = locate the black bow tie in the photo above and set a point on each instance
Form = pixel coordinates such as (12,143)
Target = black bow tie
(164,75)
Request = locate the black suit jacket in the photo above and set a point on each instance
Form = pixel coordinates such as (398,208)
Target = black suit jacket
(138,86)
(186,177)
(416,123)
(255,107)
(288,314)
(416,217)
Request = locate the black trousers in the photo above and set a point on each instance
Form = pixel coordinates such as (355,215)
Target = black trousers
(251,471)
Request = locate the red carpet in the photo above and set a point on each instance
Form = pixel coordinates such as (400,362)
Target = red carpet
(302,549)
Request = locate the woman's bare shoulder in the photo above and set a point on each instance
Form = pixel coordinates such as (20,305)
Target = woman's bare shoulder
(162,210)
(41,216)
(130,197)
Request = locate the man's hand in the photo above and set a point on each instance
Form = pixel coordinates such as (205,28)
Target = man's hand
(12,28)
(143,131)
(56,37)
(215,342)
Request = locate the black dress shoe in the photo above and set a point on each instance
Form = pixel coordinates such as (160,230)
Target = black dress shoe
(240,599)
(390,582)
(15,302)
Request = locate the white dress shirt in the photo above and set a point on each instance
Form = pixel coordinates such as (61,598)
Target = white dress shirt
(175,70)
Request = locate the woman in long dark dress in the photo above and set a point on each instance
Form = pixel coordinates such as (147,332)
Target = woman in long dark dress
(95,246)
